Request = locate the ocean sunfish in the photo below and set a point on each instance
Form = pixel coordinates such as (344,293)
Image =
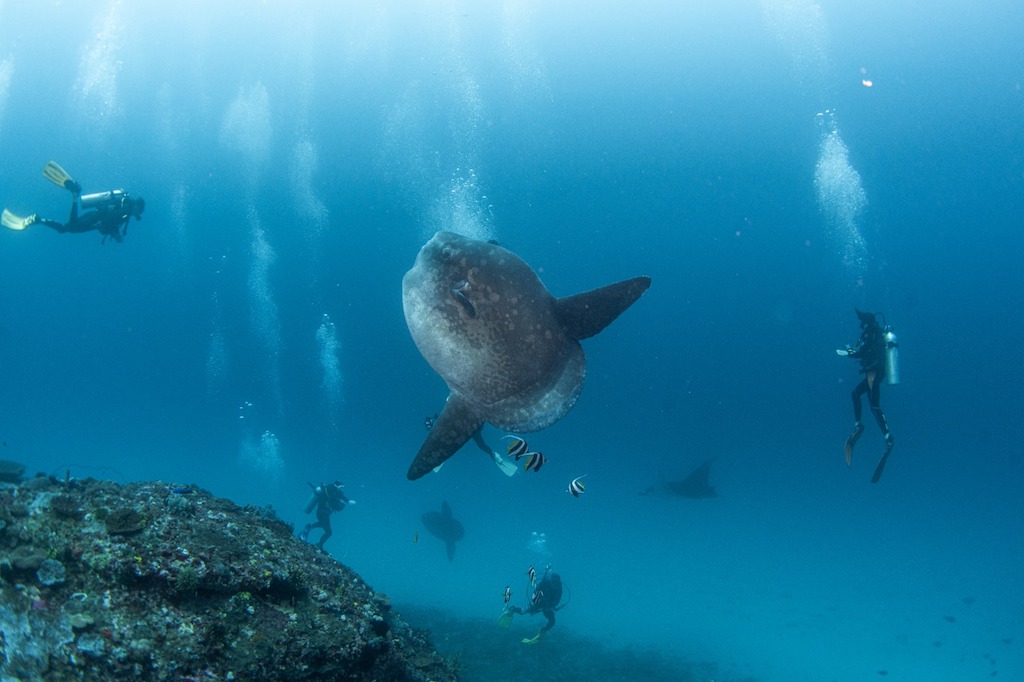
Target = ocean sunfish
(445,527)
(508,350)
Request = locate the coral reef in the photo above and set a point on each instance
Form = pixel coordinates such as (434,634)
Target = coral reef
(11,472)
(157,581)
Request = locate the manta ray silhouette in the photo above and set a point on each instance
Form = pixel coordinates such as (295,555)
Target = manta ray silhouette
(508,350)
(695,485)
(444,527)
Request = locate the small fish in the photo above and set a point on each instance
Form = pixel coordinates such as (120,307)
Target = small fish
(429,422)
(508,594)
(415,538)
(577,487)
(517,447)
(537,596)
(532,573)
(534,461)
(183,490)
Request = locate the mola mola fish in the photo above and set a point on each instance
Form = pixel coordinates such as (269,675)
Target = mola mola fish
(445,527)
(508,350)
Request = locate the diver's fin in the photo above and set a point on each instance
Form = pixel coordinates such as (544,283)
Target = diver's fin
(58,176)
(880,467)
(533,640)
(505,619)
(15,222)
(507,466)
(858,429)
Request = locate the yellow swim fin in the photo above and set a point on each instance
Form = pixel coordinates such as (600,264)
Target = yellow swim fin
(14,222)
(505,619)
(536,638)
(58,176)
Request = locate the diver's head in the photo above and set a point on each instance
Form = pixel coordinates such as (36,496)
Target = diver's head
(138,205)
(866,319)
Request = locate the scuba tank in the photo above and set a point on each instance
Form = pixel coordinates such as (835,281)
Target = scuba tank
(892,357)
(112,198)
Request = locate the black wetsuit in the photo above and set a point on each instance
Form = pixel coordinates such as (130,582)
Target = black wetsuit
(327,499)
(110,220)
(870,350)
(546,600)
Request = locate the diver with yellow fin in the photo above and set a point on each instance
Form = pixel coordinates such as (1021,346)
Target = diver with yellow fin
(877,351)
(546,598)
(106,212)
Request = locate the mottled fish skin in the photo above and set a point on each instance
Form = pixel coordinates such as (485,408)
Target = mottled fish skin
(507,349)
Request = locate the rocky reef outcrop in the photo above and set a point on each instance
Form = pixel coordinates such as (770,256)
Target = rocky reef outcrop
(159,581)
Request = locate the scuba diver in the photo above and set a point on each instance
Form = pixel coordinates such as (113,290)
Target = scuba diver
(106,212)
(327,498)
(545,598)
(876,351)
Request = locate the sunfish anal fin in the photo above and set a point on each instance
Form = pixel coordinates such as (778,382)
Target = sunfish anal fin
(455,425)
(586,314)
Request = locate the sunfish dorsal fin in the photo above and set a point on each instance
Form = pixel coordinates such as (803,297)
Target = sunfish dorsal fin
(586,314)
(454,426)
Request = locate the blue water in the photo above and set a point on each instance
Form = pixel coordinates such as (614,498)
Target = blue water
(295,156)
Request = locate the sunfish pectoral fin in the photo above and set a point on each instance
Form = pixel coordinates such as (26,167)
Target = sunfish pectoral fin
(586,314)
(455,425)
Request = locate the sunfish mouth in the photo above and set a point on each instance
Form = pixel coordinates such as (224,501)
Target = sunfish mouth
(458,292)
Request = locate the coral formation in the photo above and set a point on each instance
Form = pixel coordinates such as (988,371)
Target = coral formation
(11,472)
(157,581)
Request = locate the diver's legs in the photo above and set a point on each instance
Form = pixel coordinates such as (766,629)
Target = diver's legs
(858,427)
(478,438)
(72,186)
(859,390)
(74,204)
(550,615)
(60,227)
(328,532)
(323,538)
(880,418)
(874,399)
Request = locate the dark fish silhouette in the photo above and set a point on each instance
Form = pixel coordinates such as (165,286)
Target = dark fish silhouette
(694,486)
(443,526)
(508,350)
